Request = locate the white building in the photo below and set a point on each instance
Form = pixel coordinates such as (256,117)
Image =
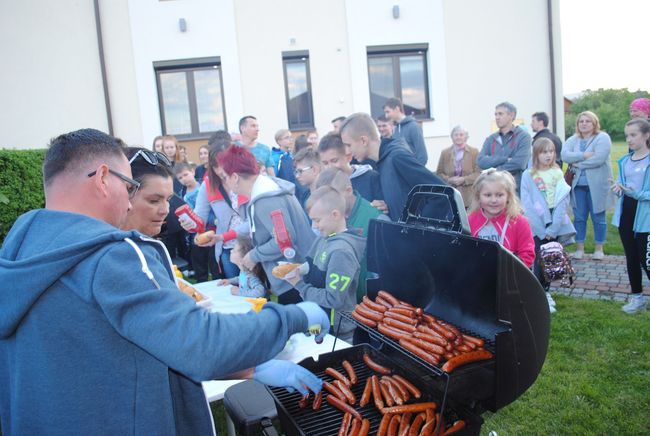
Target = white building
(140,68)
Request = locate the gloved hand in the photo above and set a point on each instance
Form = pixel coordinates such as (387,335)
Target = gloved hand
(317,319)
(284,373)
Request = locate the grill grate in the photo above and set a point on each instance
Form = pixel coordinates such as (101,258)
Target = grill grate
(327,420)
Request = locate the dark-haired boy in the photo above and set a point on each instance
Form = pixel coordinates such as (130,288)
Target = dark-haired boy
(334,259)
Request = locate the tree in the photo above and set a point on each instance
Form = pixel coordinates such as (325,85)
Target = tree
(611,106)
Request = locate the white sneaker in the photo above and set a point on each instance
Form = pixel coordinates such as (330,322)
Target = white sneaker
(578,254)
(636,303)
(551,303)
(598,255)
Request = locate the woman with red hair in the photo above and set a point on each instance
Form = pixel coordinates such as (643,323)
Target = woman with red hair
(279,227)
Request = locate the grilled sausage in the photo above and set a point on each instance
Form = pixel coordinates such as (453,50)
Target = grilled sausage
(349,396)
(428,318)
(451,328)
(477,341)
(318,400)
(416,425)
(376,392)
(430,424)
(351,374)
(354,429)
(393,425)
(404,424)
(408,385)
(365,427)
(399,324)
(345,424)
(392,332)
(303,401)
(392,392)
(402,311)
(367,312)
(337,375)
(383,302)
(472,356)
(388,297)
(343,406)
(363,320)
(383,425)
(464,348)
(401,390)
(412,408)
(334,391)
(403,318)
(443,331)
(434,339)
(374,306)
(422,354)
(375,366)
(367,393)
(458,425)
(427,346)
(388,398)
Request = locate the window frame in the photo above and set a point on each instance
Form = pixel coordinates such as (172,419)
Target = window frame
(395,52)
(293,57)
(189,66)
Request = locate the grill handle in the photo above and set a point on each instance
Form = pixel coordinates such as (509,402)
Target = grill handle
(436,206)
(267,427)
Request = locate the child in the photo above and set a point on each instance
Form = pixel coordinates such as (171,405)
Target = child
(306,168)
(248,283)
(333,259)
(497,215)
(185,174)
(632,215)
(545,197)
(283,155)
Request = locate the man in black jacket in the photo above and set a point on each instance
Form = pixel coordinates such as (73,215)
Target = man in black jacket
(539,124)
(399,170)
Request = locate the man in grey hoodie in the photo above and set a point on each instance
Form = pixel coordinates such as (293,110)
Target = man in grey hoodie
(406,128)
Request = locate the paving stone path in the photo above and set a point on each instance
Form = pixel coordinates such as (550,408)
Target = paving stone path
(600,279)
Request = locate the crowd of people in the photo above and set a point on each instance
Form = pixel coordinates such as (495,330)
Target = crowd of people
(99,259)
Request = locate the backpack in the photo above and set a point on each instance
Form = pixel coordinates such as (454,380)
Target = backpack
(556,264)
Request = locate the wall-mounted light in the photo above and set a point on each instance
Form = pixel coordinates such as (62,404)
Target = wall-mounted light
(396,11)
(182,25)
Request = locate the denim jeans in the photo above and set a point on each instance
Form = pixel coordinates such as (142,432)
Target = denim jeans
(583,208)
(230,270)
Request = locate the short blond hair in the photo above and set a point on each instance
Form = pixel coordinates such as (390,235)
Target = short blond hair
(330,198)
(594,119)
(360,124)
(505,179)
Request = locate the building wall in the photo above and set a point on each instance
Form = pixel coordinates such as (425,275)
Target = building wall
(50,68)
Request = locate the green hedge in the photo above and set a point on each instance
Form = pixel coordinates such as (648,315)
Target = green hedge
(21,185)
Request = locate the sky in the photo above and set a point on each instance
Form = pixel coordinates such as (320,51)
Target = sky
(605,44)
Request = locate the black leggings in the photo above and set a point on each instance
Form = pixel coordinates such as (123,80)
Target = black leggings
(636,246)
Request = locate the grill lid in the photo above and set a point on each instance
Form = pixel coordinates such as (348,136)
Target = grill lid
(426,260)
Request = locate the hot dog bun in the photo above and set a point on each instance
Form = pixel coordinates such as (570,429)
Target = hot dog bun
(188,290)
(204,238)
(281,271)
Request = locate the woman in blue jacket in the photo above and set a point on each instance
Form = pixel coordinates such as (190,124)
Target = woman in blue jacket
(632,215)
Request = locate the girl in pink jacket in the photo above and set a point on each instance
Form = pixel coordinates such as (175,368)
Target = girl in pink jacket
(497,215)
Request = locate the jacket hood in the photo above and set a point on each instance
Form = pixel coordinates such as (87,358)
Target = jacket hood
(359,170)
(266,186)
(41,247)
(407,120)
(389,146)
(350,238)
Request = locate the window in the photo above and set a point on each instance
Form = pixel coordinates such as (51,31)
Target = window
(297,87)
(190,96)
(399,71)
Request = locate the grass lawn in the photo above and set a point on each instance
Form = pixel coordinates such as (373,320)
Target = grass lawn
(596,378)
(613,243)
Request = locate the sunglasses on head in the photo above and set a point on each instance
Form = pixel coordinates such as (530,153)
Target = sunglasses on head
(152,158)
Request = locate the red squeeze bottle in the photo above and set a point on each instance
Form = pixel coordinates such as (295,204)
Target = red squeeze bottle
(185,211)
(282,235)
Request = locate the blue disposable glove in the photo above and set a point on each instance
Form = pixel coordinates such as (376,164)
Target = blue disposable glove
(318,322)
(284,373)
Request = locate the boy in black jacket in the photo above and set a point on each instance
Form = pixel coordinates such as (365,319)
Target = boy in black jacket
(399,170)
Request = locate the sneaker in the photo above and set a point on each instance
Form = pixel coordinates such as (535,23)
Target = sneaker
(598,255)
(636,303)
(578,254)
(551,303)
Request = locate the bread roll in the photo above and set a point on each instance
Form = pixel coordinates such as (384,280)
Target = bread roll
(204,238)
(281,271)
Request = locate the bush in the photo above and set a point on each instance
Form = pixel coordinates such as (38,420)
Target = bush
(611,106)
(21,185)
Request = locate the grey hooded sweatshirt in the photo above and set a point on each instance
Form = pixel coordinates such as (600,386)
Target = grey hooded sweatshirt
(411,133)
(268,195)
(334,265)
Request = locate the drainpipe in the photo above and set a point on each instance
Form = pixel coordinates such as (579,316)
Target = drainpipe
(102,63)
(549,11)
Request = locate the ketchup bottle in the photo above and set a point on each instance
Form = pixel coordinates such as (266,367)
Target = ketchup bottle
(186,212)
(282,235)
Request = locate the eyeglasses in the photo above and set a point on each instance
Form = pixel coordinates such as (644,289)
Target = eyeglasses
(132,185)
(298,171)
(152,158)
